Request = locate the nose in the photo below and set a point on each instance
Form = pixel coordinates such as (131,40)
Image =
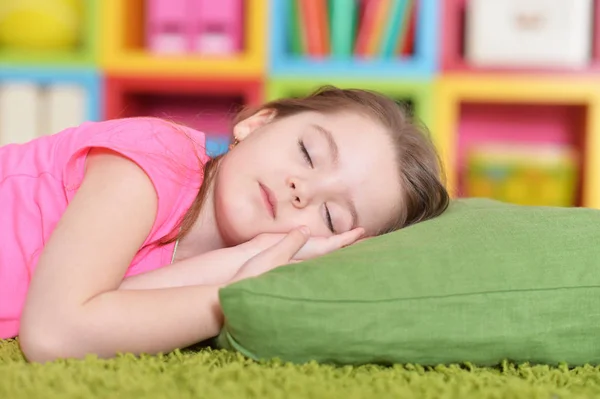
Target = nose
(300,192)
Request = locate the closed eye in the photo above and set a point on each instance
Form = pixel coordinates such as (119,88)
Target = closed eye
(328,220)
(305,153)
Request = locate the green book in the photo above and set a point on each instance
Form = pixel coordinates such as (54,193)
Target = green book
(342,20)
(295,32)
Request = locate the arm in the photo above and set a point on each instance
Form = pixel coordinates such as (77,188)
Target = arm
(220,266)
(74,306)
(212,268)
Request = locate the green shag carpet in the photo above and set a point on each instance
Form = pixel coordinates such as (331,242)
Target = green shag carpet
(221,374)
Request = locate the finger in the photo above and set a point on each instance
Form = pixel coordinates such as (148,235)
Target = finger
(362,239)
(341,240)
(349,237)
(288,246)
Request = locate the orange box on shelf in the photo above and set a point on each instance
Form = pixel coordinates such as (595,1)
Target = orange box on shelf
(123,47)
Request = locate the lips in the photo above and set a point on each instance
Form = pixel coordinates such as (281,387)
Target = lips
(268,199)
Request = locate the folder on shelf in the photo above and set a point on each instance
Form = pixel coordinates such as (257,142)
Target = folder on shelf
(315,25)
(166,28)
(216,27)
(343,15)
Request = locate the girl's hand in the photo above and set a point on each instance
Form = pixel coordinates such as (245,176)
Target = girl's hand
(314,247)
(275,250)
(319,246)
(279,254)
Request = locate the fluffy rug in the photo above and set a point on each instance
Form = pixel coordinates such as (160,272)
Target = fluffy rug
(220,374)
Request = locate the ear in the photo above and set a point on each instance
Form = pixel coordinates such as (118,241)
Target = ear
(247,126)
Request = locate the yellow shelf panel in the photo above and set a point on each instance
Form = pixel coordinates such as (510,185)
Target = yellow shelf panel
(452,90)
(122,45)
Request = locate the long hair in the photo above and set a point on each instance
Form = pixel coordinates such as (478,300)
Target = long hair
(424,195)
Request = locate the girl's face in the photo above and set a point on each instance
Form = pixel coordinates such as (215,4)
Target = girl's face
(331,173)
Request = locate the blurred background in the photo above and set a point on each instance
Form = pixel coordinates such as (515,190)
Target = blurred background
(510,89)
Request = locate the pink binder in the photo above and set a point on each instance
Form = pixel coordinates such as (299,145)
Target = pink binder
(216,26)
(167,26)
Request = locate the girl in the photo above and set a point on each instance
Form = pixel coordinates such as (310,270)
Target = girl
(117,235)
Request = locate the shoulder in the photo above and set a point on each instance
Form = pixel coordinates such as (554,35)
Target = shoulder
(144,133)
(163,149)
(159,154)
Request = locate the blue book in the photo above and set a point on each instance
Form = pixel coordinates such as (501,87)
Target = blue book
(395,24)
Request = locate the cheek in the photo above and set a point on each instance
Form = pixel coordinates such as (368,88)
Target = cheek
(312,218)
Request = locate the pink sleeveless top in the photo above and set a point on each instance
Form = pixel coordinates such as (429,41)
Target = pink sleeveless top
(38,180)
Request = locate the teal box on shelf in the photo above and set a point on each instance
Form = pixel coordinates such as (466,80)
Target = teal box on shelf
(421,63)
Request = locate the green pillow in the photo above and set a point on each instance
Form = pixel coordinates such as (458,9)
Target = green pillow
(484,282)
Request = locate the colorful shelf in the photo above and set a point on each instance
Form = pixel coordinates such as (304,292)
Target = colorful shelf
(88,79)
(564,111)
(461,104)
(422,64)
(202,103)
(123,49)
(418,94)
(84,56)
(451,44)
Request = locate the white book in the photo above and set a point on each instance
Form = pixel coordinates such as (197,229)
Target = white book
(19,112)
(64,106)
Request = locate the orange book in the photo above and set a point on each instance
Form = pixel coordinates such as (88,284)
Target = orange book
(315,25)
(372,27)
(381,17)
(365,26)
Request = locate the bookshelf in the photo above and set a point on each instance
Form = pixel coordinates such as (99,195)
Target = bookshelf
(557,111)
(89,80)
(534,106)
(201,103)
(123,48)
(452,48)
(421,64)
(416,94)
(463,105)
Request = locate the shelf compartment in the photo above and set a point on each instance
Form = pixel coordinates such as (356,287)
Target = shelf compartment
(84,56)
(520,110)
(36,102)
(203,104)
(123,48)
(452,45)
(418,95)
(421,64)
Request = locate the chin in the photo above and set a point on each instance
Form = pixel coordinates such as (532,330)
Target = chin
(233,221)
(227,224)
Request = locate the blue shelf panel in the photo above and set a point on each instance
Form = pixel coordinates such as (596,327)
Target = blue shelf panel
(423,63)
(89,79)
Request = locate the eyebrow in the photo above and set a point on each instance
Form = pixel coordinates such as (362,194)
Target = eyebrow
(335,156)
